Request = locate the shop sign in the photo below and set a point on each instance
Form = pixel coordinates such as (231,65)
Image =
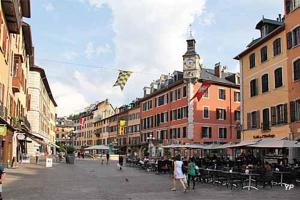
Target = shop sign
(21,136)
(3,130)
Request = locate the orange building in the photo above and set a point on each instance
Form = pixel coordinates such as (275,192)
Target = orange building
(292,26)
(168,116)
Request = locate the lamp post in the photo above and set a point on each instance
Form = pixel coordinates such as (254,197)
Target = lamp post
(150,144)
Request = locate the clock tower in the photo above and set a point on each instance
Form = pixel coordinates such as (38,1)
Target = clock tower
(191,61)
(191,74)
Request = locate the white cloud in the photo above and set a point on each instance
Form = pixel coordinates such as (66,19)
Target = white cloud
(91,50)
(49,7)
(68,98)
(207,19)
(70,55)
(149,38)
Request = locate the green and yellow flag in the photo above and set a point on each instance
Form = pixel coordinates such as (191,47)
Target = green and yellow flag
(122,78)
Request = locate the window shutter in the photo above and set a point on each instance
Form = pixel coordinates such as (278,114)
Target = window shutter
(289,40)
(288,6)
(285,113)
(258,119)
(248,121)
(292,109)
(224,114)
(209,135)
(273,115)
(217,113)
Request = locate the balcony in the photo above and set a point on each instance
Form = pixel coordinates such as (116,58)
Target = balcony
(25,123)
(12,15)
(16,84)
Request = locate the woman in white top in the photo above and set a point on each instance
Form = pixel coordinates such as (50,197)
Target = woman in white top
(178,174)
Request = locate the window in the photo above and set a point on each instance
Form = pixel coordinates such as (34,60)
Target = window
(296,70)
(222,133)
(253,120)
(253,88)
(221,114)
(238,134)
(266,119)
(206,94)
(206,132)
(264,54)
(278,77)
(237,115)
(205,113)
(237,96)
(295,110)
(277,46)
(252,60)
(222,94)
(184,91)
(279,114)
(265,83)
(184,132)
(161,100)
(296,36)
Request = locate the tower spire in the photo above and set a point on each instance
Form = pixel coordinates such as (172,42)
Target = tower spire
(190,33)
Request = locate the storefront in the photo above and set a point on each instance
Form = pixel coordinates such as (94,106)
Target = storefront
(6,143)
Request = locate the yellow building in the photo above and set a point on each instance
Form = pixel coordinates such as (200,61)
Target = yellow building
(15,60)
(264,84)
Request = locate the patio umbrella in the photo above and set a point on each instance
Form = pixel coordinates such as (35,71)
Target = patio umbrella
(98,147)
(174,146)
(245,143)
(225,146)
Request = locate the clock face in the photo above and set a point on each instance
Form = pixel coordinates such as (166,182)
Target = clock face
(190,63)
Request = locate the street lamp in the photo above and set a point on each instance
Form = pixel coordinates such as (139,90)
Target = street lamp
(150,138)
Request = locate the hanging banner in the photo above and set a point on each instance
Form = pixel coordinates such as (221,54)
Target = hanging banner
(3,130)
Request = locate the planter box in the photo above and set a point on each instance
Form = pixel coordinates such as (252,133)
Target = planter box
(70,159)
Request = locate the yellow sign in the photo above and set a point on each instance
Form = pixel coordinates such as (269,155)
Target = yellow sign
(3,131)
(122,123)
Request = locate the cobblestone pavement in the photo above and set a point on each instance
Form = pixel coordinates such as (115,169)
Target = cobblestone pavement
(88,179)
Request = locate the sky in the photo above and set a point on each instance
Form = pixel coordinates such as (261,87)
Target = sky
(82,44)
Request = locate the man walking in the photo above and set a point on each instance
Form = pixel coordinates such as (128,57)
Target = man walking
(37,155)
(107,158)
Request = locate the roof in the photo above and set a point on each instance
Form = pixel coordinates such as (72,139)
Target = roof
(257,42)
(25,4)
(205,75)
(27,37)
(45,81)
(268,21)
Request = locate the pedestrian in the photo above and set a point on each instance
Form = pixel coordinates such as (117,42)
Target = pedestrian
(120,162)
(37,156)
(2,175)
(107,158)
(178,174)
(191,172)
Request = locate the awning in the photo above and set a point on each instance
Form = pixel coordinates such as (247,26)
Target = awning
(174,146)
(98,147)
(194,146)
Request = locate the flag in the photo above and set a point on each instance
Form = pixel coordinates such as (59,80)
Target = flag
(202,90)
(81,122)
(122,78)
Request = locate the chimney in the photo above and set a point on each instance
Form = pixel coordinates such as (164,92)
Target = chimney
(279,17)
(218,69)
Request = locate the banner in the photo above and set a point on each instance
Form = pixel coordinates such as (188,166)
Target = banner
(202,90)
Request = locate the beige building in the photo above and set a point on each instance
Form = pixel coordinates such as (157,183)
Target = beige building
(264,83)
(41,113)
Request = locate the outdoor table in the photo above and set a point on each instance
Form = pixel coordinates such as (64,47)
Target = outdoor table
(249,186)
(281,177)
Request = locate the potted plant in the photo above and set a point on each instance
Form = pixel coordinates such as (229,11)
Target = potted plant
(70,157)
